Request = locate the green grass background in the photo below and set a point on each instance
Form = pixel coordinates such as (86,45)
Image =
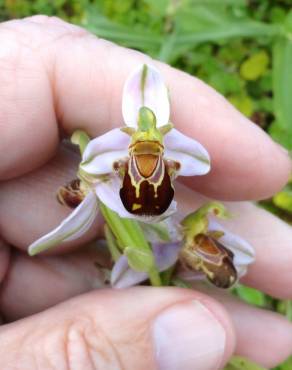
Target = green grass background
(242,48)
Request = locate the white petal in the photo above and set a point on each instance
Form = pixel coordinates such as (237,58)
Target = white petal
(241,270)
(109,194)
(192,156)
(174,228)
(167,230)
(165,254)
(75,225)
(154,96)
(101,152)
(170,211)
(123,276)
(244,253)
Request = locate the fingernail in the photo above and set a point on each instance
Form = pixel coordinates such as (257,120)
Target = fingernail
(187,336)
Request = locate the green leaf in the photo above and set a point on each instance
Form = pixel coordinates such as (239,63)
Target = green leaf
(277,14)
(281,130)
(166,51)
(288,24)
(283,200)
(250,295)
(224,31)
(224,82)
(287,365)
(103,27)
(241,363)
(158,7)
(255,66)
(264,104)
(243,103)
(281,134)
(140,260)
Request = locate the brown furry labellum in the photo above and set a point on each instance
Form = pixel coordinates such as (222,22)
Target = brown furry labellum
(212,258)
(147,179)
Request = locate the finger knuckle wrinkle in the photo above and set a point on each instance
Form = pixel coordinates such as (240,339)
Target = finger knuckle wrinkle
(86,346)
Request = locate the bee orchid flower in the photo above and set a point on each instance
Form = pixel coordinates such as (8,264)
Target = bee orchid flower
(210,249)
(134,167)
(204,248)
(130,169)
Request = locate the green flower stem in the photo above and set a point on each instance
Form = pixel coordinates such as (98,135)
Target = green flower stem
(117,227)
(130,235)
(154,277)
(167,275)
(111,243)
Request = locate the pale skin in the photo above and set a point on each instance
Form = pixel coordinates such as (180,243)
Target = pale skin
(55,78)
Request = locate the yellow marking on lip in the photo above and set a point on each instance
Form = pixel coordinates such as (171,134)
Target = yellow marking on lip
(136,206)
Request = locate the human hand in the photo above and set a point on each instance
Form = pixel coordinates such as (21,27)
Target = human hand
(55,78)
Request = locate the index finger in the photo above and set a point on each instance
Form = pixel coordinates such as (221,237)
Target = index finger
(55,73)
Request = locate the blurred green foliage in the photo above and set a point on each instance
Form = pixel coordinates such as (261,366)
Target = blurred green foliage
(243,48)
(240,363)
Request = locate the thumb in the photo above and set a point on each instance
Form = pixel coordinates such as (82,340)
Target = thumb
(138,328)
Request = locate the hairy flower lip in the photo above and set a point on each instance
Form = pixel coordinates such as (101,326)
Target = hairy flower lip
(108,193)
(243,252)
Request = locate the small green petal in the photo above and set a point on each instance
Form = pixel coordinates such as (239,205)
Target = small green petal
(197,222)
(140,260)
(81,139)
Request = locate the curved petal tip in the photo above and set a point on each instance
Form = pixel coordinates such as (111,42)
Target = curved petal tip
(75,225)
(145,87)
